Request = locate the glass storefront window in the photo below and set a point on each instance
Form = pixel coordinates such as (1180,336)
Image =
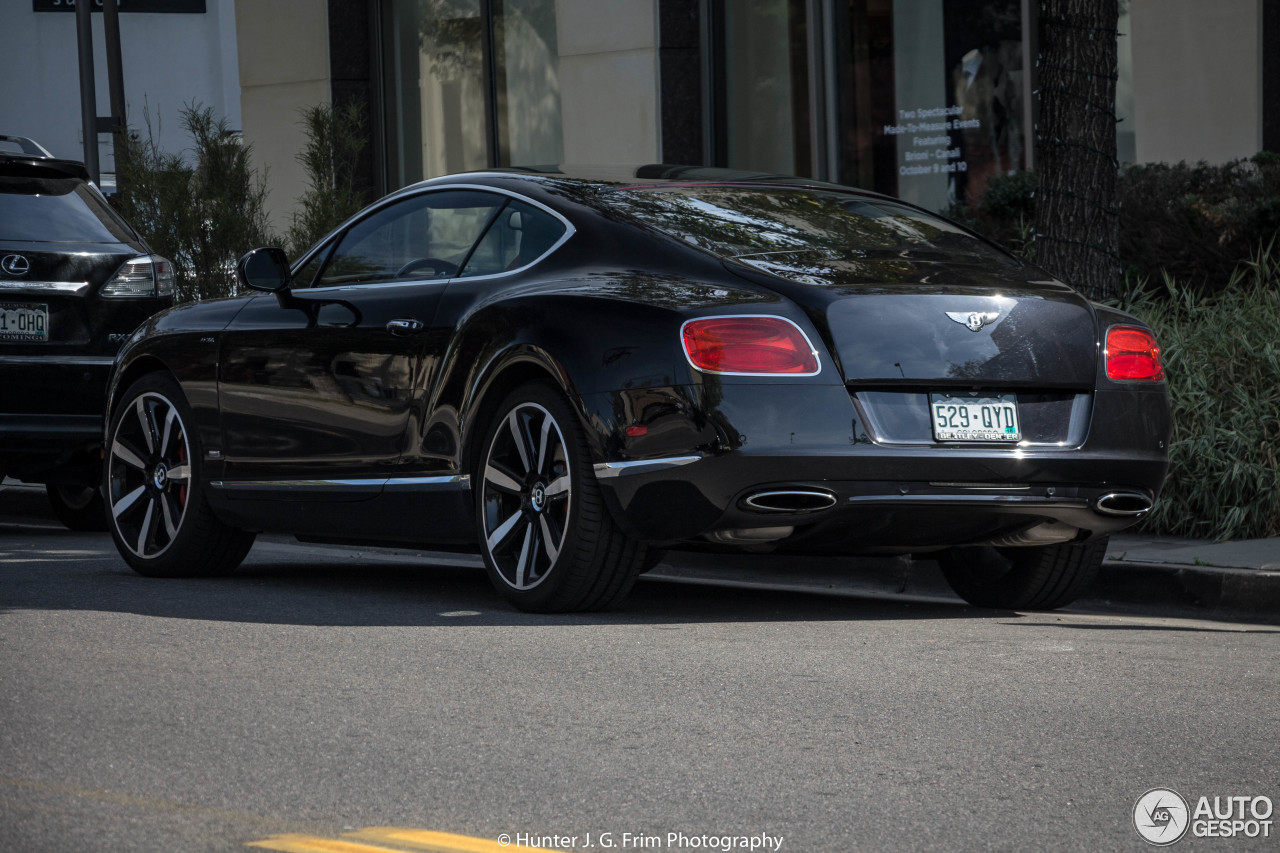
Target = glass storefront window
(527,82)
(765,107)
(439,111)
(433,79)
(923,99)
(932,96)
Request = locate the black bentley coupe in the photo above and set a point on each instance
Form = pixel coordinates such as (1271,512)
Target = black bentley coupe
(571,372)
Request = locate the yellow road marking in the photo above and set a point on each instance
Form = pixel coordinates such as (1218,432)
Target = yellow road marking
(402,838)
(438,842)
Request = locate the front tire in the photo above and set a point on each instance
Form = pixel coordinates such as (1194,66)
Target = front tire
(549,543)
(157,512)
(1041,578)
(77,507)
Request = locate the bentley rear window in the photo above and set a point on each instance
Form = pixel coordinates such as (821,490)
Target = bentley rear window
(737,220)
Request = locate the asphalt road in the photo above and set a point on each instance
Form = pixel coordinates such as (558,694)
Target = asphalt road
(322,692)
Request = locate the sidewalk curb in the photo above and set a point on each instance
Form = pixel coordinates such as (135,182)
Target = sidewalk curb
(1222,593)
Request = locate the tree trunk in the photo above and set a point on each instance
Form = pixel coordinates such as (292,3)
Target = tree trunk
(1077,235)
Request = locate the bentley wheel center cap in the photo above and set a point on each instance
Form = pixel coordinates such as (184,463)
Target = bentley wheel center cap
(160,478)
(538,497)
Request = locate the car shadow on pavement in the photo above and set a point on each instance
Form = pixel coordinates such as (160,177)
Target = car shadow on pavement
(53,569)
(44,567)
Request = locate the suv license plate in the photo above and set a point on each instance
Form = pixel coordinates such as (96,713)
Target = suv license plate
(23,322)
(963,418)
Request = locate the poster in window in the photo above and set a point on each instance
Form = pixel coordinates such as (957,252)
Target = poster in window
(983,58)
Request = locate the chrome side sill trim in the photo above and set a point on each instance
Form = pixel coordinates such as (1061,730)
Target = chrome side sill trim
(606,470)
(56,360)
(444,483)
(299,485)
(460,482)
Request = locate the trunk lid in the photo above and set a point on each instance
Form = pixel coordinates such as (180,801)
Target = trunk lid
(65,281)
(910,319)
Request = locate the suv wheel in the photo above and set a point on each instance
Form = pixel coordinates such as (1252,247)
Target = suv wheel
(77,507)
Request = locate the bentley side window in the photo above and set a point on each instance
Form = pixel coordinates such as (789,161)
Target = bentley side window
(307,273)
(519,236)
(425,236)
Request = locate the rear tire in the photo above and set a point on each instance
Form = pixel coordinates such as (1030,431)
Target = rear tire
(548,541)
(1042,578)
(159,518)
(77,507)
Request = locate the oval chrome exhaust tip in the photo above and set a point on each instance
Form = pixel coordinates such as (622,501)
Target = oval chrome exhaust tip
(1123,503)
(790,500)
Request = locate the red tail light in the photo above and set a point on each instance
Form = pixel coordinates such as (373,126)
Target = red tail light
(1132,354)
(749,345)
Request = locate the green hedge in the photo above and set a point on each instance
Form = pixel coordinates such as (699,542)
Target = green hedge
(1196,223)
(1222,357)
(202,210)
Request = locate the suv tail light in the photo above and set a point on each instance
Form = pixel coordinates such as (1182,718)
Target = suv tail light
(149,275)
(1132,354)
(749,345)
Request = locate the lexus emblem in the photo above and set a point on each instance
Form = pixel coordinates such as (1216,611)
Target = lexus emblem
(15,265)
(974,320)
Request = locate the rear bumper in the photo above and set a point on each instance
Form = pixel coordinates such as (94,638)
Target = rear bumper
(863,517)
(883,498)
(51,416)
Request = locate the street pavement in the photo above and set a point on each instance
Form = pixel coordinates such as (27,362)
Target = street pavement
(345,700)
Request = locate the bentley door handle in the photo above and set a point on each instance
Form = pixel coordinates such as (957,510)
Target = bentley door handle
(403,328)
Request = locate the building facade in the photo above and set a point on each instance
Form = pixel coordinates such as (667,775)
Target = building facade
(173,52)
(924,99)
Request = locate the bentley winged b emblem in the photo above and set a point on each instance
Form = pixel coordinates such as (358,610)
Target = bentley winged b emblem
(974,320)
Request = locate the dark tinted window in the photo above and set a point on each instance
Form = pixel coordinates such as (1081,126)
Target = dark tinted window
(421,237)
(57,210)
(307,272)
(519,236)
(737,221)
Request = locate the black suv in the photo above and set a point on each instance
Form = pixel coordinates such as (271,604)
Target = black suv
(75,281)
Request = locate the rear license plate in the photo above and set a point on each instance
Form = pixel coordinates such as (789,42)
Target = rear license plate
(964,418)
(23,322)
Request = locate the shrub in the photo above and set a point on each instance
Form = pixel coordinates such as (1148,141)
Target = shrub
(1222,358)
(1006,213)
(1196,223)
(201,212)
(335,140)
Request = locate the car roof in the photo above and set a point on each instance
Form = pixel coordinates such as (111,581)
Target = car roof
(654,173)
(612,178)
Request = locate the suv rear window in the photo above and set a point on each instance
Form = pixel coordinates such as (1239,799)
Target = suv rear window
(57,210)
(740,220)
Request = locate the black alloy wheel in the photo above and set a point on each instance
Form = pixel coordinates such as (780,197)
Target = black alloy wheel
(548,541)
(159,519)
(77,507)
(1042,578)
